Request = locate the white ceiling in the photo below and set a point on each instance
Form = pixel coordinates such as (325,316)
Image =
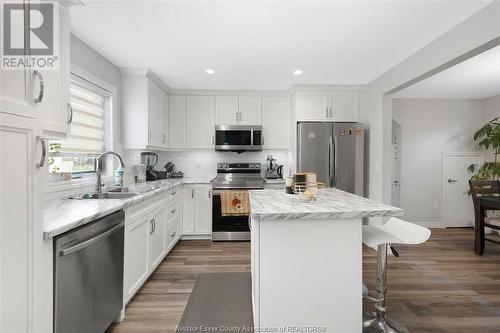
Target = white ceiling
(477,78)
(258,44)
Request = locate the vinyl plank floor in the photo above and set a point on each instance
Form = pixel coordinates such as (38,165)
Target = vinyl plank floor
(437,287)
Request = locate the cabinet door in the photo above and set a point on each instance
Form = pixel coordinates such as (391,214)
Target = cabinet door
(226,110)
(203,209)
(312,106)
(16,85)
(54,108)
(177,122)
(344,106)
(250,108)
(136,262)
(276,122)
(20,222)
(200,122)
(157,244)
(154,114)
(188,208)
(164,115)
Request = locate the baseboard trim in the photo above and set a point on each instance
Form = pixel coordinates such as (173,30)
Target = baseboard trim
(196,237)
(431,225)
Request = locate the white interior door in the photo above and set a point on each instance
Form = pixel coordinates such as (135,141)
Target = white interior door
(396,165)
(458,209)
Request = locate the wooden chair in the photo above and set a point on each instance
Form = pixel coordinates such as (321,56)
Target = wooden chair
(481,189)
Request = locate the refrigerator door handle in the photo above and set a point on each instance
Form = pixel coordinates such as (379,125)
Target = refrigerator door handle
(331,163)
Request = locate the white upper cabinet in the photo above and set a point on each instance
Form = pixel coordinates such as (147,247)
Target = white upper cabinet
(144,110)
(200,122)
(177,122)
(250,109)
(155,114)
(276,122)
(238,110)
(344,106)
(42,93)
(226,110)
(54,108)
(327,106)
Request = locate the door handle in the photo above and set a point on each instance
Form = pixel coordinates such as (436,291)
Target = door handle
(452,180)
(44,151)
(41,82)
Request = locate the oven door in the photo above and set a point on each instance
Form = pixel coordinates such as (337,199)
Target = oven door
(238,138)
(227,228)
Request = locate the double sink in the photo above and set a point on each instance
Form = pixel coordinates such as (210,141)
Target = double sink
(119,192)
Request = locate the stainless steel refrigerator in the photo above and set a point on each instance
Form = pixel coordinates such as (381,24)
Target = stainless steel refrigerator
(334,151)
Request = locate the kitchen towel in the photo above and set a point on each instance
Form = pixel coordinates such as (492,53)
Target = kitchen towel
(235,203)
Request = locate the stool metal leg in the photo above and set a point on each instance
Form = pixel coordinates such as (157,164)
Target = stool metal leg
(381,323)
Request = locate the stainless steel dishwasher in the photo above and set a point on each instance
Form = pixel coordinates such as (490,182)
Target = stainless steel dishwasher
(88,276)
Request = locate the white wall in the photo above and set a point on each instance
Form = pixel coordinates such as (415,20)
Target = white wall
(430,127)
(376,109)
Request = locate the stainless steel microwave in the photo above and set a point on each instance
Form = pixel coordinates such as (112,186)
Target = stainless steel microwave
(238,138)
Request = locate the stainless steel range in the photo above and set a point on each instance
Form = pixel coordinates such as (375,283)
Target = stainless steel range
(239,177)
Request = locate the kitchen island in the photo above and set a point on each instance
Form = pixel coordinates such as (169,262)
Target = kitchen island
(307,260)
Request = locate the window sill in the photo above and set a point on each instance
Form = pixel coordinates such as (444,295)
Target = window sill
(74,184)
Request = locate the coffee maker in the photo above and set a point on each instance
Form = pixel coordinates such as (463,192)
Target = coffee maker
(150,159)
(273,170)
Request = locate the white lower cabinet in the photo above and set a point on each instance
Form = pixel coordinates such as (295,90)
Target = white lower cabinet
(136,266)
(148,229)
(157,246)
(197,211)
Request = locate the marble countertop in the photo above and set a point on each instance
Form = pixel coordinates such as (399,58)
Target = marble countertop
(331,203)
(60,216)
(197,180)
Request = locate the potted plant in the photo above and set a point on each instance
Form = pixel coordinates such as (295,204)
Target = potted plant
(489,138)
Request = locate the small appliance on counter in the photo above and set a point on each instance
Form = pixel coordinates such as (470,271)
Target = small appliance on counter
(150,159)
(273,171)
(139,173)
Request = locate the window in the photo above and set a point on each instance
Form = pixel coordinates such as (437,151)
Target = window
(86,138)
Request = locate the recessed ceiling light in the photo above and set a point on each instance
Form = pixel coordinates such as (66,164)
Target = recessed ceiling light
(210,71)
(297,72)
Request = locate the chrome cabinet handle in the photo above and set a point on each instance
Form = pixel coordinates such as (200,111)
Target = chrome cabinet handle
(173,211)
(452,180)
(153,226)
(70,111)
(250,223)
(331,112)
(39,99)
(209,194)
(192,193)
(172,234)
(163,137)
(262,140)
(213,140)
(326,111)
(173,193)
(44,151)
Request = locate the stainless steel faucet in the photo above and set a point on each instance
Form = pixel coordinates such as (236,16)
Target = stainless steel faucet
(100,184)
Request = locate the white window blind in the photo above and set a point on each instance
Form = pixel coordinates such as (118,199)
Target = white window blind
(86,133)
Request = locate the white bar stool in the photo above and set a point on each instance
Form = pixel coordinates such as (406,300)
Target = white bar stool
(380,237)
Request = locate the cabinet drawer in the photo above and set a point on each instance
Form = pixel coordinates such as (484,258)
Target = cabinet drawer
(174,194)
(172,234)
(172,210)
